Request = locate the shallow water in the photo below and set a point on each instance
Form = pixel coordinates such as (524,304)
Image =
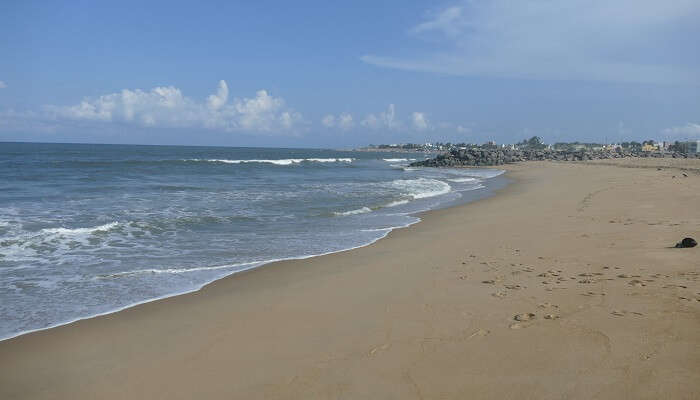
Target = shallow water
(89,229)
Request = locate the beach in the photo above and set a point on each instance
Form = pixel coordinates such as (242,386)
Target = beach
(565,284)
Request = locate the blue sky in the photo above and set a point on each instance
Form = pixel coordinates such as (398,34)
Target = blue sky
(325,74)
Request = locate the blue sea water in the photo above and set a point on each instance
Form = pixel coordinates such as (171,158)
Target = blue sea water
(90,229)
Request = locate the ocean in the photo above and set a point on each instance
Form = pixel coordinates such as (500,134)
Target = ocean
(90,229)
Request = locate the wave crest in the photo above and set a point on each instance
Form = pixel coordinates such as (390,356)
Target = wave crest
(362,210)
(422,188)
(285,161)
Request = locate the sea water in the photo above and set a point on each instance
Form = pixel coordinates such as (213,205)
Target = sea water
(90,229)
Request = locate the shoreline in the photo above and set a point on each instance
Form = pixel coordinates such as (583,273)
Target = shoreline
(438,309)
(255,265)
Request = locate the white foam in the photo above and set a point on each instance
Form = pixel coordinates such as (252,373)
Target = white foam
(285,161)
(362,210)
(397,203)
(247,266)
(78,231)
(481,173)
(463,180)
(422,188)
(23,247)
(395,159)
(178,270)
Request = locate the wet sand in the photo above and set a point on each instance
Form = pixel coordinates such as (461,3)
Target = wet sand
(563,285)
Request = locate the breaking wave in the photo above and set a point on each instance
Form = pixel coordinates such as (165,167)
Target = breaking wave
(362,210)
(463,180)
(398,159)
(422,188)
(285,161)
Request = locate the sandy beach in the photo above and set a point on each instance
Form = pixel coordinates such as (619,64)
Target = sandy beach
(564,285)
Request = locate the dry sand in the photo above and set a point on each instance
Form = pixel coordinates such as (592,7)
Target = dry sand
(562,286)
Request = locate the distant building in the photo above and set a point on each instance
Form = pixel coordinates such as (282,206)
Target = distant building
(693,146)
(651,147)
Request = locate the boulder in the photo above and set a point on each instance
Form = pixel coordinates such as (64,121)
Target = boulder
(687,242)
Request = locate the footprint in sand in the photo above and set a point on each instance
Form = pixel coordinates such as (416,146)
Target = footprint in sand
(500,295)
(636,283)
(547,305)
(589,294)
(524,317)
(625,276)
(376,349)
(622,313)
(480,332)
(514,287)
(551,316)
(489,282)
(669,286)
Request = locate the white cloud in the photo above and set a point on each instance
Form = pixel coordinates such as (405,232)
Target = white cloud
(343,121)
(168,107)
(420,121)
(3,85)
(447,21)
(386,119)
(687,131)
(598,40)
(328,121)
(462,129)
(215,101)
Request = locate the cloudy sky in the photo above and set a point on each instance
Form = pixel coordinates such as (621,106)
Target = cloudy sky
(324,74)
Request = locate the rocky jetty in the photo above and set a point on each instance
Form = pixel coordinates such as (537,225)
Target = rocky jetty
(486,157)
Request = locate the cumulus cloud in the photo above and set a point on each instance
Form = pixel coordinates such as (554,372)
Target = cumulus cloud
(328,121)
(462,129)
(597,40)
(389,120)
(343,121)
(420,121)
(687,131)
(3,85)
(216,101)
(166,106)
(384,120)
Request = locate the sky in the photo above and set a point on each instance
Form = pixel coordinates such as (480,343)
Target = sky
(346,74)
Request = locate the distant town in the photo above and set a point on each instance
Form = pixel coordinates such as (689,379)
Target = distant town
(536,143)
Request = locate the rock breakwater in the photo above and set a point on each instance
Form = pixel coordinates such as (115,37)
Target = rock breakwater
(486,157)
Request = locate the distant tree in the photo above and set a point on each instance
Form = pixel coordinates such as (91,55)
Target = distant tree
(534,142)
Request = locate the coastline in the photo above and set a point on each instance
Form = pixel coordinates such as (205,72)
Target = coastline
(259,264)
(371,321)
